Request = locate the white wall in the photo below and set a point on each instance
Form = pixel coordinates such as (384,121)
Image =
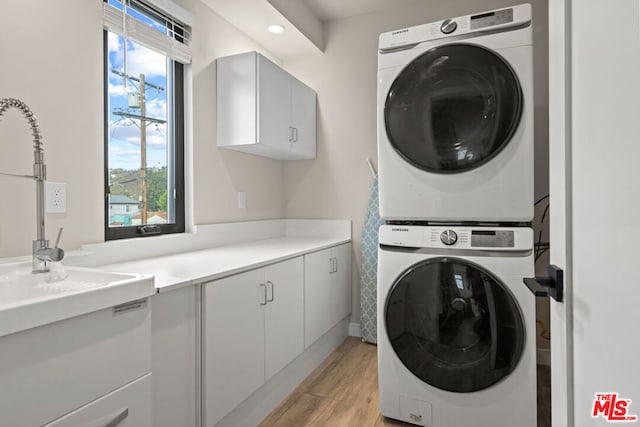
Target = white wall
(338,182)
(52,57)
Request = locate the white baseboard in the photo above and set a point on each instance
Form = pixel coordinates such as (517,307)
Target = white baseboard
(264,400)
(354,330)
(543,356)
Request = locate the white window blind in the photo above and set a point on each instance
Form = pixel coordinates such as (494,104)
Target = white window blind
(174,40)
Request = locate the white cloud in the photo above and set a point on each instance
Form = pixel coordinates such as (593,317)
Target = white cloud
(140,60)
(157,108)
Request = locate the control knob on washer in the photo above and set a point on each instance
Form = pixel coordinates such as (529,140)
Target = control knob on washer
(448,237)
(448,26)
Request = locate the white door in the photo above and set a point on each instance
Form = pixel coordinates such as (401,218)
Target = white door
(284,317)
(274,106)
(341,282)
(303,120)
(233,331)
(594,115)
(317,295)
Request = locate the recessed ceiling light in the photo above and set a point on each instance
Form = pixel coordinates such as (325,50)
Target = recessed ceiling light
(275,29)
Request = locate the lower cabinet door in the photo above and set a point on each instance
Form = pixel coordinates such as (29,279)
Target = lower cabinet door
(284,318)
(233,341)
(318,268)
(129,406)
(341,282)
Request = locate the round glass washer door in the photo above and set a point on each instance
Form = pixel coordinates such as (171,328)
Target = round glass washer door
(454,325)
(453,108)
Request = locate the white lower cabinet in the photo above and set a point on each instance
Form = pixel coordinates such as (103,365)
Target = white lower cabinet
(129,406)
(252,328)
(327,298)
(175,325)
(52,370)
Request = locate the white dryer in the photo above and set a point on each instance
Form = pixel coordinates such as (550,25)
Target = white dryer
(455,119)
(456,326)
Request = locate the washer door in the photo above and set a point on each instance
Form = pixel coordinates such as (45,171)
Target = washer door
(453,108)
(454,325)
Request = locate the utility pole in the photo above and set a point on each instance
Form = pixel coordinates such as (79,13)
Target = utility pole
(143,151)
(143,135)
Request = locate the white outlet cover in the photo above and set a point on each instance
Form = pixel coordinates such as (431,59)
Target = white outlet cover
(55,197)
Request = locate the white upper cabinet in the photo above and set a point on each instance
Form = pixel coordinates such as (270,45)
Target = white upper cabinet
(263,110)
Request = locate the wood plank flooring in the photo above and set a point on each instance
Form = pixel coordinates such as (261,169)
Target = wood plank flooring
(343,392)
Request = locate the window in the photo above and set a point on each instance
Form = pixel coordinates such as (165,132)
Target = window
(145,49)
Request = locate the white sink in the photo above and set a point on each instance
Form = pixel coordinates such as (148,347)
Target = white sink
(28,300)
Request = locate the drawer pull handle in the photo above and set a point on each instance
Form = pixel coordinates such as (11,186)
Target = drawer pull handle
(118,419)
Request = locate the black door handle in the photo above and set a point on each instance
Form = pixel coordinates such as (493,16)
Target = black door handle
(550,286)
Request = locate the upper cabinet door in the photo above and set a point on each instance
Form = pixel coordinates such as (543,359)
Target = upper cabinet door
(274,106)
(303,120)
(263,110)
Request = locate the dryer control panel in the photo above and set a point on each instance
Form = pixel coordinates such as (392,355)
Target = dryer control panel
(496,20)
(457,237)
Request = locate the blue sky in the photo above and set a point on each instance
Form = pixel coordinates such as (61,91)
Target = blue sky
(124,150)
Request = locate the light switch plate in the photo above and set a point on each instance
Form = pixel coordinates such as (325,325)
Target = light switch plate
(242,199)
(55,197)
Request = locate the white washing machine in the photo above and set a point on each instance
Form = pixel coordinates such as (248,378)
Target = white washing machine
(456,326)
(455,119)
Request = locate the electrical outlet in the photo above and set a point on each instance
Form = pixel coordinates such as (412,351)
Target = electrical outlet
(55,197)
(242,199)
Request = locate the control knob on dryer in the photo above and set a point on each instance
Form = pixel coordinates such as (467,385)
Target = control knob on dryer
(448,237)
(448,26)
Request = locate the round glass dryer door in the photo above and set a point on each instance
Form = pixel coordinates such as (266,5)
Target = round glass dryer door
(454,325)
(453,108)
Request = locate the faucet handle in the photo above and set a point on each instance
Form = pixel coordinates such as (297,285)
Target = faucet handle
(58,238)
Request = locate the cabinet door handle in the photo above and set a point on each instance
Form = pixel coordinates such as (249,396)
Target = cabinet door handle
(264,294)
(118,418)
(333,265)
(270,286)
(295,134)
(290,134)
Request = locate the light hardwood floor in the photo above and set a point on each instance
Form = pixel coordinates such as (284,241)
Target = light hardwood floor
(343,392)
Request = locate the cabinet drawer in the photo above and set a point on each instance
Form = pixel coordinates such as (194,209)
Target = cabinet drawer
(129,406)
(51,370)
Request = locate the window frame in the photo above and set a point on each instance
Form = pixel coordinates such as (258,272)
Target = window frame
(178,150)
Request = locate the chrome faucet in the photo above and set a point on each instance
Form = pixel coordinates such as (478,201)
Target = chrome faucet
(41,252)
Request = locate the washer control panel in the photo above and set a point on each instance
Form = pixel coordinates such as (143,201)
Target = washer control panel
(457,237)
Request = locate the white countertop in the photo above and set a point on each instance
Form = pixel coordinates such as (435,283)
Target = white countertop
(187,268)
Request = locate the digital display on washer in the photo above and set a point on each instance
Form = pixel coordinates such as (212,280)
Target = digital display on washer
(492,239)
(492,18)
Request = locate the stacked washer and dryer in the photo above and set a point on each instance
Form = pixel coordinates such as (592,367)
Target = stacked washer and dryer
(456,325)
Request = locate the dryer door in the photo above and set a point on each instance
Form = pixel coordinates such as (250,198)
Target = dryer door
(453,108)
(454,325)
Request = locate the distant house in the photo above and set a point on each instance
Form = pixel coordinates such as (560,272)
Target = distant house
(122,205)
(121,210)
(152,218)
